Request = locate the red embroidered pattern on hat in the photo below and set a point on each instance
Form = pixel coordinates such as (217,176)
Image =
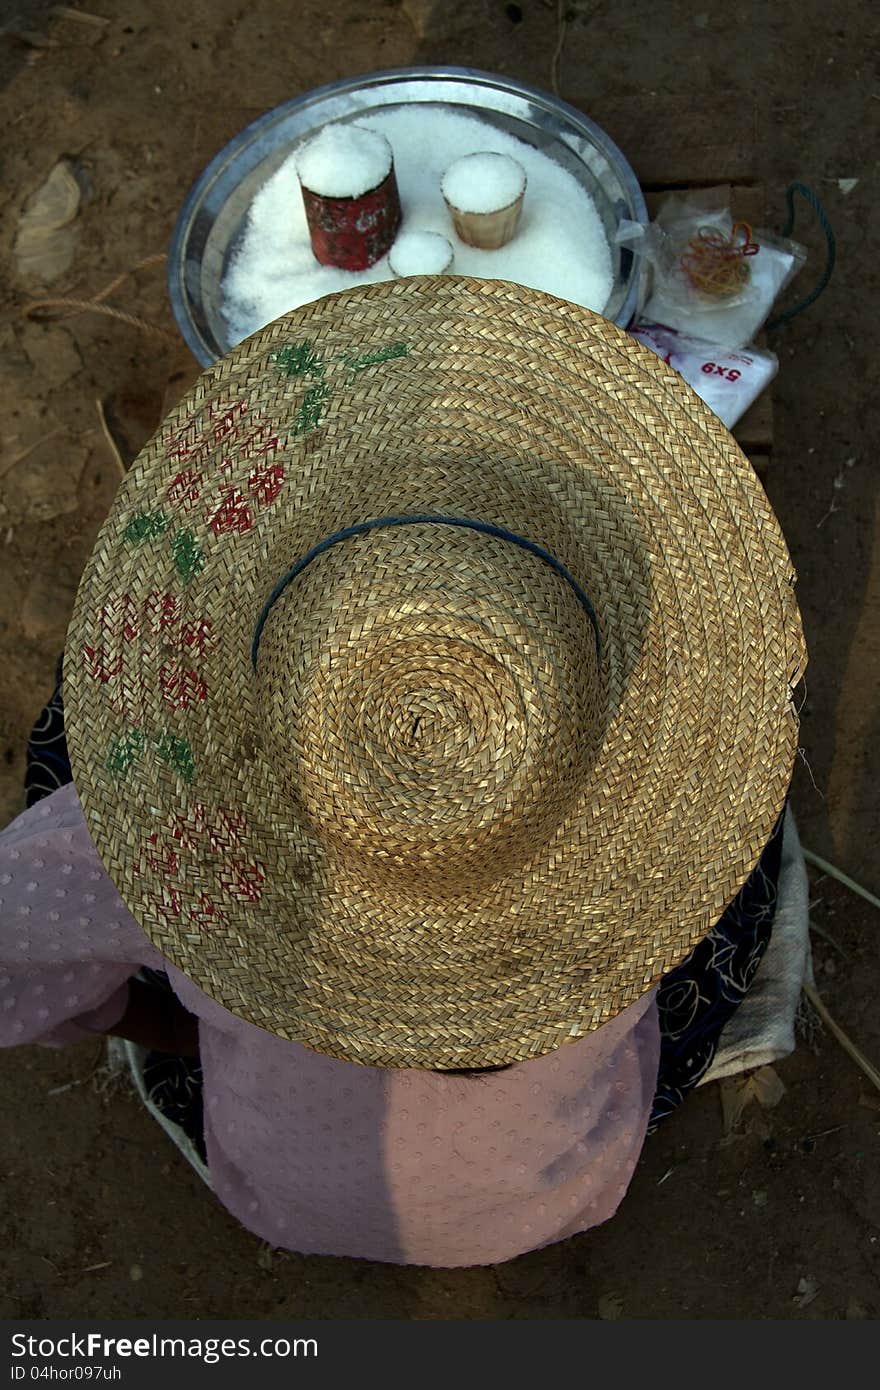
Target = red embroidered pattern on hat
(99,665)
(118,626)
(185,489)
(175,855)
(229,507)
(223,831)
(233,513)
(176,859)
(206,913)
(264,483)
(119,618)
(122,620)
(180,688)
(243,880)
(161,612)
(161,859)
(221,828)
(198,635)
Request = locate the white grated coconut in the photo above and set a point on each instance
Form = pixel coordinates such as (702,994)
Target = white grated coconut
(420,253)
(560,246)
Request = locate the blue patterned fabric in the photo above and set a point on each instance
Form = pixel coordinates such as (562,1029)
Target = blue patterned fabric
(695,1000)
(698,997)
(48,766)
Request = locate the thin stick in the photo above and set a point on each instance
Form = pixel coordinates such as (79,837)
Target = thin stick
(114,447)
(31,448)
(849,1047)
(803,757)
(68,1086)
(560,40)
(81,16)
(841,877)
(824,1133)
(826,936)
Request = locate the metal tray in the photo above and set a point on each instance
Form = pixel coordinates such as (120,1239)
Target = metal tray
(212,220)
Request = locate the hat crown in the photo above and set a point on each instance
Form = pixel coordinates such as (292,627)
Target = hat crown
(430,699)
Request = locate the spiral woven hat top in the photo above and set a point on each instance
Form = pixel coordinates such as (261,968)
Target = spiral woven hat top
(429,686)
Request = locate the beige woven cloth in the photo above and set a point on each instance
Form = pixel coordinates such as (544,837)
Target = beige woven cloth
(762,1028)
(432,821)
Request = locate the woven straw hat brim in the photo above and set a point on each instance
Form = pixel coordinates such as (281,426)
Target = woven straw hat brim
(432,828)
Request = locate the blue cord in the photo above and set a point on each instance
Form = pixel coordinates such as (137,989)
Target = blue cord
(378,522)
(830,256)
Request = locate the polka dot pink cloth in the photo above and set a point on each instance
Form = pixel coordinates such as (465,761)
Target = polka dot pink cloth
(328,1157)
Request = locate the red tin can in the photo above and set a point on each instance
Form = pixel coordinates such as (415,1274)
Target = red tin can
(354,233)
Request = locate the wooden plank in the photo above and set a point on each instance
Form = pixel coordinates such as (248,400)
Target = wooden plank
(669,145)
(747,201)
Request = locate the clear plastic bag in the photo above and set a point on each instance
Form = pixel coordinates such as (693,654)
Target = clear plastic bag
(710,276)
(727,380)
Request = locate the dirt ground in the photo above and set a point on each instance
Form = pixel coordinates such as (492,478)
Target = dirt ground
(781,1218)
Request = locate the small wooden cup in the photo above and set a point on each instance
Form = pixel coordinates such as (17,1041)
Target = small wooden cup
(490,230)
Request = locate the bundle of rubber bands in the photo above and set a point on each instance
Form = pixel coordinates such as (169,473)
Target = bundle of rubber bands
(709,275)
(716,263)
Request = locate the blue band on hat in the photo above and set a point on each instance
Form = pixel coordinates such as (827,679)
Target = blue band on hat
(382,521)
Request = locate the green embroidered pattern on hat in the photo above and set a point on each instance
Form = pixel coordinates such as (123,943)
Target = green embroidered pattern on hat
(189,558)
(302,360)
(177,752)
(127,749)
(145,526)
(311,413)
(123,752)
(358,361)
(298,359)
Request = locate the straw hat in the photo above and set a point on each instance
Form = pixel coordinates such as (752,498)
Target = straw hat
(452,789)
